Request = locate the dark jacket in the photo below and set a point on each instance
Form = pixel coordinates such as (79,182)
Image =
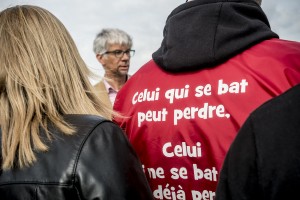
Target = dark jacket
(263,161)
(95,163)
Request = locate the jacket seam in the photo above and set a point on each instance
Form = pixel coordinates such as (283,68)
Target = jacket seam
(34,182)
(73,178)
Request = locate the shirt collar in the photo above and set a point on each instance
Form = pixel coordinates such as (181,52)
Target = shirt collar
(109,88)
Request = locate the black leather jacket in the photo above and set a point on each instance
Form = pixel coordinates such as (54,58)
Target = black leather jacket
(95,163)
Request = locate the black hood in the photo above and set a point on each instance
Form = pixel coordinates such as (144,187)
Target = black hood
(204,33)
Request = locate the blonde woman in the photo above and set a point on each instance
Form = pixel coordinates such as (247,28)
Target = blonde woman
(56,139)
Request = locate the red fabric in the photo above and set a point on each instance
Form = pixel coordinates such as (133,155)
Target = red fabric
(168,115)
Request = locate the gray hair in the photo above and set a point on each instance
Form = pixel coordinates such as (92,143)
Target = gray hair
(110,36)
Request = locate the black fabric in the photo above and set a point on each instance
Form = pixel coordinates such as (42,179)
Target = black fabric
(264,159)
(97,162)
(205,33)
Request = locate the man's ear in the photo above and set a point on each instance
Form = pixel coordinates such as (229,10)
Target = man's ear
(100,58)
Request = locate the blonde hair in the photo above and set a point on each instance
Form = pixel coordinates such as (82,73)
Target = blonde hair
(42,78)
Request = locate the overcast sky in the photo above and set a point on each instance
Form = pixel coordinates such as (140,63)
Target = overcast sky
(144,21)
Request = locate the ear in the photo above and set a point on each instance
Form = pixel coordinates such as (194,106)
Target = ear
(100,58)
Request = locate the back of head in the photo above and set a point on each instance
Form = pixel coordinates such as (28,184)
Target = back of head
(42,77)
(110,36)
(257,1)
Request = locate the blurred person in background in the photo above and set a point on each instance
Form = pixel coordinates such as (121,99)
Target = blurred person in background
(113,51)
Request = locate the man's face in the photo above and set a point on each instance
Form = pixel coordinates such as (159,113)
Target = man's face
(113,65)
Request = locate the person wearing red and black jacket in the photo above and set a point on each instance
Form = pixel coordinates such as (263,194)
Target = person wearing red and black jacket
(218,61)
(263,160)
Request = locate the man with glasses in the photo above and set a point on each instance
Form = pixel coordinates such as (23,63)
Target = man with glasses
(113,51)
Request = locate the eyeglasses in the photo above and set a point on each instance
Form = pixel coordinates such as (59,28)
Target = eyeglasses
(120,53)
